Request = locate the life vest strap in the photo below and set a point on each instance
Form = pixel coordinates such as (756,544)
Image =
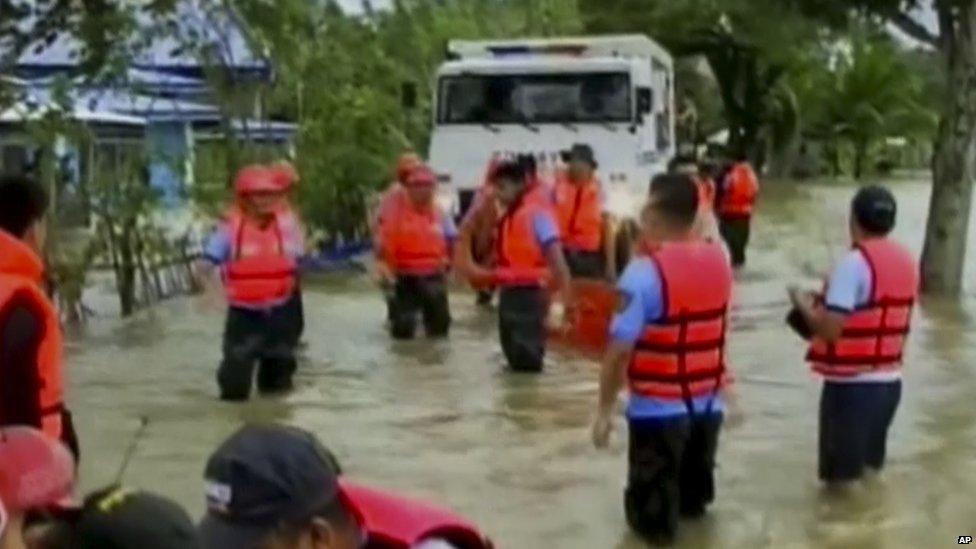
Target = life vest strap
(677,347)
(870,333)
(700,316)
(873,361)
(677,378)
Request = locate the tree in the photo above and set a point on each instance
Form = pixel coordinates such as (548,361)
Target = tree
(954,161)
(749,45)
(872,94)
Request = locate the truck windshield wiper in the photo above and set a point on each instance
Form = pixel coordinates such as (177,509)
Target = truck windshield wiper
(570,126)
(489,127)
(609,126)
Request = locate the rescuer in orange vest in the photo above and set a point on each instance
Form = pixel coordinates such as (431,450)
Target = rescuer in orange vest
(415,243)
(529,257)
(858,330)
(286,178)
(668,342)
(737,193)
(31,365)
(405,165)
(257,253)
(580,205)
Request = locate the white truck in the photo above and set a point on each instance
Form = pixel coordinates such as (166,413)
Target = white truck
(540,96)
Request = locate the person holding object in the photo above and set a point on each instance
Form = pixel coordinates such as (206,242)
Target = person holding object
(257,256)
(415,243)
(858,330)
(668,343)
(31,347)
(529,257)
(276,487)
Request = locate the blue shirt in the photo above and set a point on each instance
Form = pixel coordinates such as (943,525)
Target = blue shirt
(640,287)
(545,229)
(849,288)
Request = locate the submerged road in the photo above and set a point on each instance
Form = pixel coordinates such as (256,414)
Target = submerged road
(443,420)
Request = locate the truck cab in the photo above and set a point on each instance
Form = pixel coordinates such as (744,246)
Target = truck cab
(497,99)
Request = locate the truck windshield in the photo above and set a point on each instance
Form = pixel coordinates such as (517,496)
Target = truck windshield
(534,98)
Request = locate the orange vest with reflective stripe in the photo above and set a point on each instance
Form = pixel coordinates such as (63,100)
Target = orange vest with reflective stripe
(260,271)
(413,240)
(740,192)
(21,271)
(682,355)
(580,214)
(521,262)
(874,335)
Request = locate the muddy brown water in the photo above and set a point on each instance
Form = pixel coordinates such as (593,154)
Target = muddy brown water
(443,420)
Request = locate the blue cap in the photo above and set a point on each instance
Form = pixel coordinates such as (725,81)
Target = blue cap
(261,477)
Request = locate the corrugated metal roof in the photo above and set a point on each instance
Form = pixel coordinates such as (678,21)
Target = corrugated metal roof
(212,22)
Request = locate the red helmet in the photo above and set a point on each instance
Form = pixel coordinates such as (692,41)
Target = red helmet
(406,164)
(421,176)
(36,471)
(255,179)
(284,175)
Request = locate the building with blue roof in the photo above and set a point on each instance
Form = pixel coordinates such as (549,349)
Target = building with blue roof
(162,103)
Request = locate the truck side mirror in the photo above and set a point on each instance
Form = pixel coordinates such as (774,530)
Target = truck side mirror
(645,101)
(408,95)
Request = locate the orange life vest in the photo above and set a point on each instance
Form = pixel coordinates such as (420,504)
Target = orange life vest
(682,355)
(413,240)
(394,522)
(741,190)
(521,262)
(260,272)
(580,214)
(874,335)
(22,272)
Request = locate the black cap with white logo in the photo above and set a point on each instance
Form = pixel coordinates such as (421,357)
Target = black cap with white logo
(262,476)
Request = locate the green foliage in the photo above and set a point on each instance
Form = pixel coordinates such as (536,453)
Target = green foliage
(341,78)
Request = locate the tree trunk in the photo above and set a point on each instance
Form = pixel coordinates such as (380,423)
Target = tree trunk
(127,271)
(953,165)
(860,155)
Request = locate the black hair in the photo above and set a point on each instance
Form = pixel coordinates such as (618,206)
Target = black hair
(510,170)
(23,201)
(528,163)
(874,209)
(675,197)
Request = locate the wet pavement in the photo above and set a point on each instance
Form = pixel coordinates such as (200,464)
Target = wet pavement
(443,420)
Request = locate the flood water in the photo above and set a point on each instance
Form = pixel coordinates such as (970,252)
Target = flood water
(444,421)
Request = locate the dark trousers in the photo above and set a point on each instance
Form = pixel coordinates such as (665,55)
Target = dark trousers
(416,296)
(735,232)
(585,264)
(262,338)
(671,472)
(854,422)
(296,314)
(522,327)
